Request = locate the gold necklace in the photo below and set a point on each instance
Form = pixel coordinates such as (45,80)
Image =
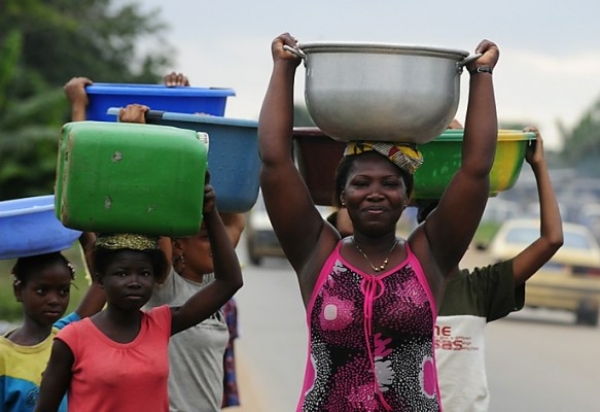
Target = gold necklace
(385,262)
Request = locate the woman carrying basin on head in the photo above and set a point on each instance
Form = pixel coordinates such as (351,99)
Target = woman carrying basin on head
(372,298)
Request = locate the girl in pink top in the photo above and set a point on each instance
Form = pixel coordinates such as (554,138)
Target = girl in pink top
(372,298)
(117,360)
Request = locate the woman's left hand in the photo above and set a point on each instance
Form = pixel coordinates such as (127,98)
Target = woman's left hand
(535,149)
(489,55)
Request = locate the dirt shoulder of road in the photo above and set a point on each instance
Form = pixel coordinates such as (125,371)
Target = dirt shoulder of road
(250,390)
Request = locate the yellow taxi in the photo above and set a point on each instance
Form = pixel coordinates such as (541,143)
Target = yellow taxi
(569,281)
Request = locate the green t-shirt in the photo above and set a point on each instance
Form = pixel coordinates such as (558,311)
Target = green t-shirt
(471,299)
(487,292)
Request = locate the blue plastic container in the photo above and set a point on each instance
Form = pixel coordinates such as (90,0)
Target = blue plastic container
(29,227)
(158,97)
(233,160)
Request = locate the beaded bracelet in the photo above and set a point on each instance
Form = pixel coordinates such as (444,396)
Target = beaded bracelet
(481,69)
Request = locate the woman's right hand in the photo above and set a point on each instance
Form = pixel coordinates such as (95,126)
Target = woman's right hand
(279,53)
(133,113)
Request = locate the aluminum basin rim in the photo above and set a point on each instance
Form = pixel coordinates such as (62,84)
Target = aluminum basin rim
(382,48)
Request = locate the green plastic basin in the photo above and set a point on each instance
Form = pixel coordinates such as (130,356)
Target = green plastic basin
(442,158)
(317,156)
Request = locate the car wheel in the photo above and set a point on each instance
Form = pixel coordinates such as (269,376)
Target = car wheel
(587,313)
(254,258)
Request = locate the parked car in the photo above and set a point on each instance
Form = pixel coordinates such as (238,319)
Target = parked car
(261,241)
(569,281)
(499,210)
(590,217)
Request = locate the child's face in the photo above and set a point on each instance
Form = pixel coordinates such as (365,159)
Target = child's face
(128,280)
(45,294)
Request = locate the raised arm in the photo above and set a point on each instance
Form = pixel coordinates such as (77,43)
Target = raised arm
(296,221)
(534,256)
(75,92)
(234,224)
(450,227)
(94,299)
(228,275)
(56,378)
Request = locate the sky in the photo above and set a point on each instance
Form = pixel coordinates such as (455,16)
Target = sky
(548,71)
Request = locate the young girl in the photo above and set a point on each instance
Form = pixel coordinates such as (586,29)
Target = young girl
(199,356)
(117,360)
(42,284)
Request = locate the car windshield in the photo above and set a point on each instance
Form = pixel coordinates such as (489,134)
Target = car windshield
(572,240)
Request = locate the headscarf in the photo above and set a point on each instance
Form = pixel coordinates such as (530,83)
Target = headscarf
(404,155)
(114,241)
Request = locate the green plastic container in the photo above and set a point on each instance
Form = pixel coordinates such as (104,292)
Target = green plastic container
(442,158)
(317,157)
(134,178)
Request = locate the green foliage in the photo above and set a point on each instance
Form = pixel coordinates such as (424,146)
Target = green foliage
(93,38)
(582,143)
(10,50)
(43,43)
(485,233)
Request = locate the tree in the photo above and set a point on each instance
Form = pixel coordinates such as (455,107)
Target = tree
(43,43)
(581,145)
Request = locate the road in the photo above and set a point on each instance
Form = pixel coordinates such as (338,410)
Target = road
(536,361)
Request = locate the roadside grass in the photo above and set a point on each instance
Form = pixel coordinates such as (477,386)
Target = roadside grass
(485,233)
(10,309)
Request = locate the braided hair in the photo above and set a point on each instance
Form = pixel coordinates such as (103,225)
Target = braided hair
(27,266)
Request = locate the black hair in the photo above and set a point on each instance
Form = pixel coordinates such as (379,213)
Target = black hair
(424,209)
(25,267)
(343,170)
(104,257)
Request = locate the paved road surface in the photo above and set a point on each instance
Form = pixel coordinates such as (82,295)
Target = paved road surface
(537,361)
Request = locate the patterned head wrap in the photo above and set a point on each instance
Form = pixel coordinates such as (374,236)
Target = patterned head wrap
(133,241)
(404,155)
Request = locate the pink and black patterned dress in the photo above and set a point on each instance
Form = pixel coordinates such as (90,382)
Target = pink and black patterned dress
(371,340)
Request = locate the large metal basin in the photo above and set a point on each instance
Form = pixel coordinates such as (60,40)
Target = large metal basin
(358,91)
